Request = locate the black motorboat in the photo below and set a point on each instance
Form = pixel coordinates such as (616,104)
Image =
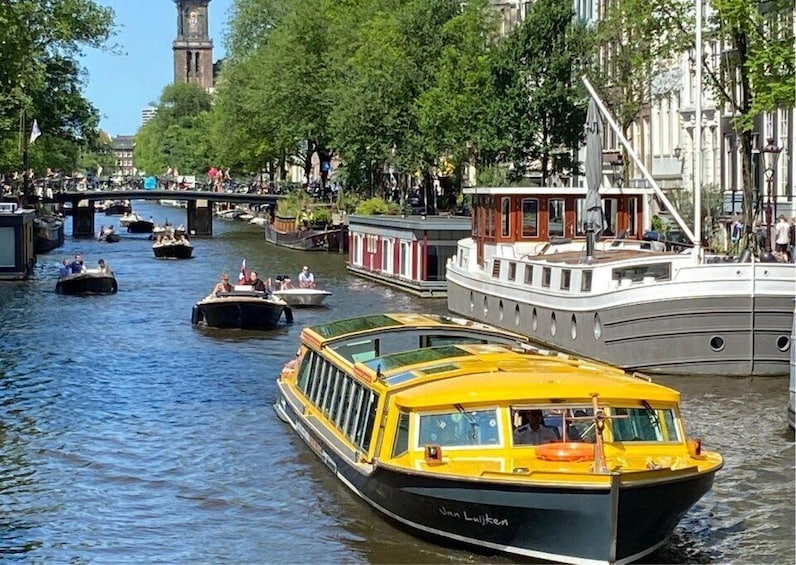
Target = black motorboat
(109,236)
(243,309)
(92,281)
(140,226)
(173,249)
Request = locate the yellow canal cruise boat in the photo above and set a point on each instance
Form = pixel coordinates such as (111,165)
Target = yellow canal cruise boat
(469,434)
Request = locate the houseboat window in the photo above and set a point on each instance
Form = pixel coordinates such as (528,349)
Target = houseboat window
(632,211)
(315,377)
(546,276)
(580,226)
(505,216)
(528,274)
(436,258)
(459,428)
(555,217)
(386,256)
(637,273)
(566,279)
(643,424)
(610,208)
(512,271)
(585,281)
(406,259)
(400,443)
(490,218)
(530,217)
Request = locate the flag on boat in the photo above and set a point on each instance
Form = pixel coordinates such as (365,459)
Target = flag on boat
(242,275)
(35,132)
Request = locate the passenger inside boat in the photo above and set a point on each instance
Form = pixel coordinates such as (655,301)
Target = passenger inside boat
(530,428)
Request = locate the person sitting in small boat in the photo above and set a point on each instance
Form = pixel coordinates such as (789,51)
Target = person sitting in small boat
(103,266)
(532,430)
(282,282)
(223,285)
(77,266)
(306,278)
(64,269)
(256,283)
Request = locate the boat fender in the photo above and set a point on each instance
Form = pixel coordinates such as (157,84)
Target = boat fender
(196,315)
(565,451)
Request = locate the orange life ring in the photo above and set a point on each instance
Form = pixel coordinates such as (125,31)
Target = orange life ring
(565,451)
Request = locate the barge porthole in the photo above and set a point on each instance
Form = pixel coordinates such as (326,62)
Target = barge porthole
(574,327)
(783,343)
(500,310)
(553,324)
(598,327)
(534,320)
(516,315)
(472,301)
(717,343)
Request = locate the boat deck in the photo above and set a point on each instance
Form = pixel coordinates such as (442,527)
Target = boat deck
(579,257)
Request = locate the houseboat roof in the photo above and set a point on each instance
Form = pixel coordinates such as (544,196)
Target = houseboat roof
(551,190)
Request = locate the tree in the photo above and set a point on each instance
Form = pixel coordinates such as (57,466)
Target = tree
(40,76)
(757,73)
(177,136)
(539,107)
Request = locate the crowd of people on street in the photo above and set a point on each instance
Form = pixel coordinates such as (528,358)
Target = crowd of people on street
(783,234)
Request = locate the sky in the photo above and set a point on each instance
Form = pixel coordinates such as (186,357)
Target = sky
(120,86)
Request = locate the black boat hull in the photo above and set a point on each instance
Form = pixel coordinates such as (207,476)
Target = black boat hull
(87,283)
(243,310)
(173,251)
(140,226)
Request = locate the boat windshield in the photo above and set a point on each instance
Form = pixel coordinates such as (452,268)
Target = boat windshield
(460,427)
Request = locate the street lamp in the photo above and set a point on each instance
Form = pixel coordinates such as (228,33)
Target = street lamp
(771,153)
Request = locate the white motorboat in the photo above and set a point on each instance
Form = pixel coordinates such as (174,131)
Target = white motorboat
(303,297)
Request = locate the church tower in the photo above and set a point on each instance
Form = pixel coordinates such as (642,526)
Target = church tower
(193,48)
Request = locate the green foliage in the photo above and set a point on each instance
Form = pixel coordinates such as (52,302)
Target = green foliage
(539,106)
(376,205)
(348,201)
(177,137)
(41,77)
(293,203)
(495,175)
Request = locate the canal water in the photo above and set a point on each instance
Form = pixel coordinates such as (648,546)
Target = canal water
(129,436)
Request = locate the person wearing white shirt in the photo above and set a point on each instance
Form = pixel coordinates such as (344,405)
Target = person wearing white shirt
(306,278)
(533,431)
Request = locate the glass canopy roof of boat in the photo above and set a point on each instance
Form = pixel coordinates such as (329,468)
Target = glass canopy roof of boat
(354,325)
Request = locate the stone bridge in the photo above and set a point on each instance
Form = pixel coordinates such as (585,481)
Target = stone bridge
(199,211)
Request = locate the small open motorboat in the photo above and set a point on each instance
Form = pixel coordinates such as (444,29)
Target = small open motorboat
(91,281)
(241,308)
(303,297)
(137,224)
(173,249)
(108,235)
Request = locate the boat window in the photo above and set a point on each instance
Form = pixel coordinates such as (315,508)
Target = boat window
(323,381)
(460,428)
(340,403)
(305,371)
(546,276)
(580,223)
(333,391)
(367,419)
(530,217)
(632,212)
(555,217)
(528,274)
(315,377)
(566,279)
(637,273)
(505,216)
(416,356)
(643,424)
(532,425)
(355,406)
(355,351)
(585,281)
(512,271)
(400,444)
(490,218)
(609,216)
